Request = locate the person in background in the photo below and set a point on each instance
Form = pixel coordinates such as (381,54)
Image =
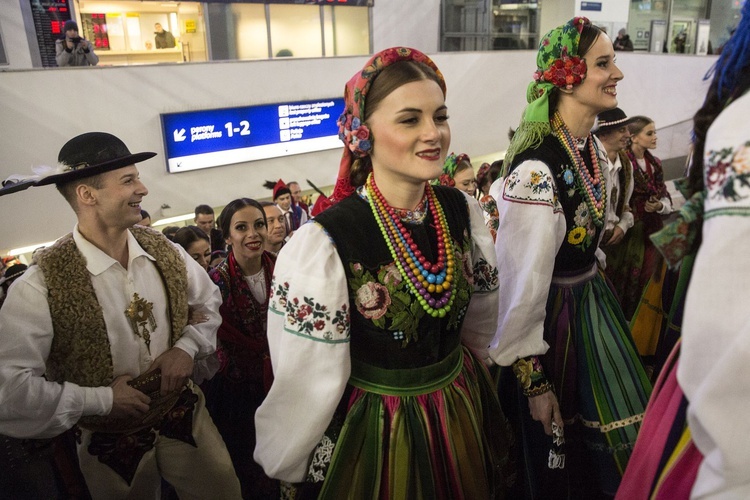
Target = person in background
(632,265)
(294,216)
(217,256)
(369,360)
(296,191)
(623,41)
(276,227)
(486,175)
(10,275)
(72,49)
(692,444)
(571,378)
(145,219)
(163,39)
(239,387)
(196,244)
(97,335)
(458,173)
(170,231)
(614,135)
(205,219)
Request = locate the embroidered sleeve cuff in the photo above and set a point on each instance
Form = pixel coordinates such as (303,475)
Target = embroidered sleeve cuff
(530,376)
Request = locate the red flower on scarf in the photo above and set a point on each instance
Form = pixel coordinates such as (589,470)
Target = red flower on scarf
(564,72)
(446,180)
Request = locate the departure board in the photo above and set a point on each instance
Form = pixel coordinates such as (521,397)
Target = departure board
(49,17)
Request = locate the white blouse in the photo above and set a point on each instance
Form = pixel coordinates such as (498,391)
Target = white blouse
(310,346)
(532,228)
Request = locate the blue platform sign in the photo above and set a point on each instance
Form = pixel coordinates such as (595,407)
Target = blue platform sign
(215,137)
(591,6)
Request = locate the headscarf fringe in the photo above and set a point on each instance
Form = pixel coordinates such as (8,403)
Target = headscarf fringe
(529,135)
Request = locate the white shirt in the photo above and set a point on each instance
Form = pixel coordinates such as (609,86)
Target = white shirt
(311,368)
(625,222)
(31,406)
(714,367)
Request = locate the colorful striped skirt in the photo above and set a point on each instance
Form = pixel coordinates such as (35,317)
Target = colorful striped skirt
(601,386)
(665,461)
(435,432)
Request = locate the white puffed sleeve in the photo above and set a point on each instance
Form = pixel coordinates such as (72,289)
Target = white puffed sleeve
(308,337)
(531,230)
(480,325)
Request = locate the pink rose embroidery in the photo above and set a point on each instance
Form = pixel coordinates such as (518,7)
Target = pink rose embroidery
(372,300)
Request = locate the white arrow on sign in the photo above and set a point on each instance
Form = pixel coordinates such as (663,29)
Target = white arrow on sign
(179,135)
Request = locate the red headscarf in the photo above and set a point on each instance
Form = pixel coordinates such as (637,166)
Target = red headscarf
(354,133)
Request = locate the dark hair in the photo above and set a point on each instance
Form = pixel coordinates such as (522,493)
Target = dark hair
(589,36)
(389,79)
(203,209)
(145,215)
(68,189)
(637,123)
(266,203)
(170,231)
(225,218)
(186,236)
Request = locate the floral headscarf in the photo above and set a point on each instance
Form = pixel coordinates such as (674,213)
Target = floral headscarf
(558,65)
(354,133)
(449,169)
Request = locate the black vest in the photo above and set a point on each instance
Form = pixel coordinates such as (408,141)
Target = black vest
(389,328)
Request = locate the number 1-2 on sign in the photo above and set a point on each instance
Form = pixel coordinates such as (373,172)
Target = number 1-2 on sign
(243,129)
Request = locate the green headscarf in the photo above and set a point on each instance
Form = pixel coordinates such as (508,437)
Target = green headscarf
(558,65)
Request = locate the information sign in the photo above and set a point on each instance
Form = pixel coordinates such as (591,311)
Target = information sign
(210,138)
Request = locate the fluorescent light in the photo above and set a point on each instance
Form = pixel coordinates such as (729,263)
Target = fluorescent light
(22,250)
(172,220)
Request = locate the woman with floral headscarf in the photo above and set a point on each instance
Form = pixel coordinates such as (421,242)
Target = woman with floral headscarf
(580,385)
(382,311)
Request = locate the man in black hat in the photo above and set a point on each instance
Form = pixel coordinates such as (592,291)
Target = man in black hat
(74,50)
(97,335)
(613,132)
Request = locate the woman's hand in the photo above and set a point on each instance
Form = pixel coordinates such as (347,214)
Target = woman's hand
(654,205)
(545,409)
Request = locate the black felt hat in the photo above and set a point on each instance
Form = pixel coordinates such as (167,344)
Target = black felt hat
(15,183)
(611,119)
(13,272)
(91,154)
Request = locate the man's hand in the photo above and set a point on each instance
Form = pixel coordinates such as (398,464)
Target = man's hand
(69,43)
(544,409)
(176,367)
(617,235)
(126,401)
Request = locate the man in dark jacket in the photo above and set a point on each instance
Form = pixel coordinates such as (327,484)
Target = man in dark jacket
(74,50)
(163,39)
(623,41)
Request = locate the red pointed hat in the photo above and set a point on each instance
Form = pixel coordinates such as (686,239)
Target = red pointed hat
(279,188)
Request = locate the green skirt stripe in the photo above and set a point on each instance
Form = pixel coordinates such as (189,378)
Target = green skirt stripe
(407,381)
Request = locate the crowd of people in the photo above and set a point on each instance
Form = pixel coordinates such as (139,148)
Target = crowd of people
(429,330)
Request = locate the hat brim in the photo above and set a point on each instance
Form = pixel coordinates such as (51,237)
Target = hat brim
(17,186)
(604,126)
(92,170)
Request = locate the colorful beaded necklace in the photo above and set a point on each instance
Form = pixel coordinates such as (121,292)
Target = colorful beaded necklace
(430,283)
(591,187)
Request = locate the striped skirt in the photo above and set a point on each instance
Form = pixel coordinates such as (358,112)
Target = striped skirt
(435,432)
(600,384)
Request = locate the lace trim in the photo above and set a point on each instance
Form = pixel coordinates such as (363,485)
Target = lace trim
(608,427)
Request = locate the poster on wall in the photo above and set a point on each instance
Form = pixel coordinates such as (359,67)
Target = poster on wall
(195,140)
(49,17)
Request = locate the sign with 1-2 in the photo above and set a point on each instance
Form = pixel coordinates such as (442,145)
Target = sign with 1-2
(210,138)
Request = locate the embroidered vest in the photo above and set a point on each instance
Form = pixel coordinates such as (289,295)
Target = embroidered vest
(80,351)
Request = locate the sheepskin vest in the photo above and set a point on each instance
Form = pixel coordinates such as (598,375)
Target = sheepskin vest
(81,351)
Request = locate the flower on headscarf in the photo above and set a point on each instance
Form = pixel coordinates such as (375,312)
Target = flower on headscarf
(446,180)
(564,72)
(355,135)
